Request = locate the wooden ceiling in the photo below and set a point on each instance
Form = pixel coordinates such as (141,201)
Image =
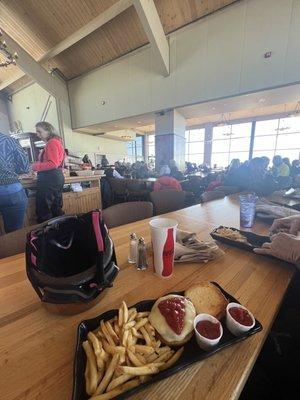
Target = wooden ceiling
(39,25)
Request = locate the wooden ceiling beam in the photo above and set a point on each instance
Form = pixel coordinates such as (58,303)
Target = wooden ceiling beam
(29,66)
(152,25)
(80,34)
(87,29)
(19,74)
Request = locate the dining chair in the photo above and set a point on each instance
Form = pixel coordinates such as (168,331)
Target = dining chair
(119,189)
(14,242)
(137,190)
(165,201)
(124,213)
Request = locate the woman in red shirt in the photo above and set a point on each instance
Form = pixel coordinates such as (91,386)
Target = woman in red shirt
(50,178)
(165,181)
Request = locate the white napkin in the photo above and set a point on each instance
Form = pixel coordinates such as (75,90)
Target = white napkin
(188,248)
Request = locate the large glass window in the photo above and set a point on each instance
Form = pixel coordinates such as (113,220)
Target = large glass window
(194,145)
(229,142)
(135,149)
(151,145)
(277,136)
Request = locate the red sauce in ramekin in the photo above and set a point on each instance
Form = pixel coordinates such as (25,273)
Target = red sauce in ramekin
(241,316)
(208,329)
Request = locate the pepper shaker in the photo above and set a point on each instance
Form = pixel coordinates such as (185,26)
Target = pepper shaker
(142,255)
(133,249)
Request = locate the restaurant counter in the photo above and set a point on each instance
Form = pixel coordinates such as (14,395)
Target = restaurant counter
(73,202)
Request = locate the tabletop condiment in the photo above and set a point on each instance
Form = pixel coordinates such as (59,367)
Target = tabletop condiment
(133,248)
(173,310)
(241,316)
(208,329)
(141,254)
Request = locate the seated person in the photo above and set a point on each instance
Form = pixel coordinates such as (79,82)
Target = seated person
(113,173)
(165,181)
(189,168)
(295,169)
(216,180)
(104,161)
(280,169)
(234,165)
(175,173)
(86,160)
(253,176)
(281,172)
(286,160)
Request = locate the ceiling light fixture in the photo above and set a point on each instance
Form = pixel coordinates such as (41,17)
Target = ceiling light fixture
(11,59)
(296,112)
(283,128)
(223,120)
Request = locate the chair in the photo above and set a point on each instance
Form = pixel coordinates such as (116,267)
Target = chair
(208,196)
(165,201)
(14,242)
(119,189)
(137,190)
(124,213)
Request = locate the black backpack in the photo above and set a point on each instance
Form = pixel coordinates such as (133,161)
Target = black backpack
(71,259)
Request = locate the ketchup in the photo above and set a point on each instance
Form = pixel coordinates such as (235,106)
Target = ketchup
(208,329)
(241,316)
(173,309)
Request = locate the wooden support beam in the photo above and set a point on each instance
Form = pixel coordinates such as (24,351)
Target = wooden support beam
(80,34)
(87,29)
(150,20)
(29,66)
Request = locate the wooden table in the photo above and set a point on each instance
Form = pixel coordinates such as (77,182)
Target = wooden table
(37,348)
(278,198)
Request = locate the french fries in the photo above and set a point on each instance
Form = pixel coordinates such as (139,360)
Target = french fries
(122,353)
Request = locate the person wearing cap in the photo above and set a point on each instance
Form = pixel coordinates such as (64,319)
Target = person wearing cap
(284,245)
(165,181)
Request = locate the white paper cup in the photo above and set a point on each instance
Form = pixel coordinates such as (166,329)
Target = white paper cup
(234,326)
(203,342)
(163,237)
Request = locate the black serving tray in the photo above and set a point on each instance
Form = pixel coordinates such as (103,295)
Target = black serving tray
(253,239)
(191,354)
(268,219)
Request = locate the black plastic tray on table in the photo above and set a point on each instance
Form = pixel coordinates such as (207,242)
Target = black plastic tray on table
(253,239)
(191,354)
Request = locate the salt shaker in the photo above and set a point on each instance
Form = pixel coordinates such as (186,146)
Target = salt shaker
(142,255)
(133,249)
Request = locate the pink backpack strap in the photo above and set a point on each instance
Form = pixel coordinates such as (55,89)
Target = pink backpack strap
(96,216)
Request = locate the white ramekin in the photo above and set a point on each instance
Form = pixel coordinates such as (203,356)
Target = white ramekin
(203,342)
(235,327)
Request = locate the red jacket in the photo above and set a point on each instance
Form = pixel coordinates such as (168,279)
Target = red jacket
(166,183)
(52,157)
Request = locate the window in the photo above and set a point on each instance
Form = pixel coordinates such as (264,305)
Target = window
(135,149)
(194,145)
(151,145)
(229,142)
(277,136)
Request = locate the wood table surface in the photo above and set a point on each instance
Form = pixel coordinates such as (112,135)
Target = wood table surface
(279,198)
(37,348)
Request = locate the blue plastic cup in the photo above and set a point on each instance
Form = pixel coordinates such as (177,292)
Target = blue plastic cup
(247,210)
